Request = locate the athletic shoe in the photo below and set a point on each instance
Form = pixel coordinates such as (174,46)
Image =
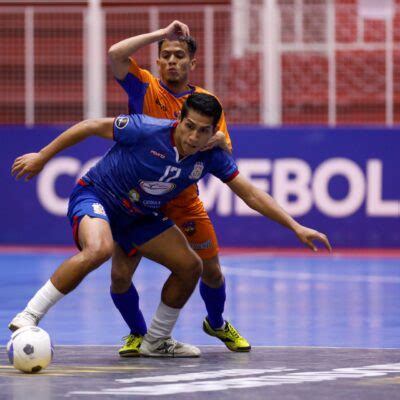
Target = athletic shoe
(131,346)
(229,335)
(24,318)
(167,347)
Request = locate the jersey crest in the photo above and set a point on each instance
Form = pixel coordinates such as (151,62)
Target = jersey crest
(197,171)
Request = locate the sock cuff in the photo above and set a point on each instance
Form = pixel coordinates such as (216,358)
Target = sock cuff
(52,291)
(207,289)
(167,310)
(131,291)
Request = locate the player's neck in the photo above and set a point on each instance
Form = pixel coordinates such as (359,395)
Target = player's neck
(177,144)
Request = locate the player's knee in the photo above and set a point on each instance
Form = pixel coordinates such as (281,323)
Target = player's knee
(99,252)
(212,273)
(213,278)
(194,267)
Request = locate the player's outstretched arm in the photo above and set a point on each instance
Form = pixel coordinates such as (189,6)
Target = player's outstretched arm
(29,165)
(264,204)
(120,52)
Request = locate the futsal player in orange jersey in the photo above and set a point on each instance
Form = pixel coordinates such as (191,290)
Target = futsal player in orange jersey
(163,98)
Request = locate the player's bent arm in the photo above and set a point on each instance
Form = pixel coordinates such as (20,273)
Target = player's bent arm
(120,52)
(31,164)
(102,127)
(264,204)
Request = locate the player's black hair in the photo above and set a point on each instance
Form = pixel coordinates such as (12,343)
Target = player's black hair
(204,104)
(189,40)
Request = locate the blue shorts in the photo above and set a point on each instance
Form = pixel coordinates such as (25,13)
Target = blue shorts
(128,231)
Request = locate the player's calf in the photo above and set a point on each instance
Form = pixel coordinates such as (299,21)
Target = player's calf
(181,283)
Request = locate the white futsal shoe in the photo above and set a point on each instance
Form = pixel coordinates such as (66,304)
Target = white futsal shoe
(167,347)
(23,319)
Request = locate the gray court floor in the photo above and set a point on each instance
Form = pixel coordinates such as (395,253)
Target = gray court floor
(285,373)
(343,311)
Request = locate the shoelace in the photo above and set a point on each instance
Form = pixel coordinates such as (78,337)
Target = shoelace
(32,317)
(168,346)
(129,339)
(230,329)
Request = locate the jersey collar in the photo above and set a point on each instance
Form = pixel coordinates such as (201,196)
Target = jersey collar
(177,95)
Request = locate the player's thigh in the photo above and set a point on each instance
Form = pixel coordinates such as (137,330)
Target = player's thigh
(171,249)
(157,238)
(89,220)
(94,232)
(196,225)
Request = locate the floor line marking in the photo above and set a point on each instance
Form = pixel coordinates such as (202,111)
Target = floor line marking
(308,276)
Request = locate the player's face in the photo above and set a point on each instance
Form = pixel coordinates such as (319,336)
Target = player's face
(193,133)
(174,62)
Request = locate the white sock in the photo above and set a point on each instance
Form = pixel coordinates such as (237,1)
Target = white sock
(44,298)
(163,322)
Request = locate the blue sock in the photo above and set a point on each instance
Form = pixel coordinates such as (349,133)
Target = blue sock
(128,305)
(215,303)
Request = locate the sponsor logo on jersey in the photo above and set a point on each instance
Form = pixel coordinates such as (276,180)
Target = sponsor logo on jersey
(197,171)
(157,188)
(152,203)
(98,209)
(162,106)
(157,154)
(189,228)
(201,246)
(134,195)
(121,122)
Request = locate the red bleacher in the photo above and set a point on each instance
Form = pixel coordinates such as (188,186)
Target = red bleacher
(59,71)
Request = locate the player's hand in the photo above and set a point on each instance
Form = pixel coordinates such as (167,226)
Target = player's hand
(28,165)
(176,30)
(218,140)
(307,236)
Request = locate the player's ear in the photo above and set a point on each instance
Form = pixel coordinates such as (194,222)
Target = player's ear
(193,63)
(178,115)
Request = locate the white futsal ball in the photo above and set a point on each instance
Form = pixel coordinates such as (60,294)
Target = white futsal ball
(30,349)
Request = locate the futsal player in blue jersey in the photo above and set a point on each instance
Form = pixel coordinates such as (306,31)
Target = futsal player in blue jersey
(118,200)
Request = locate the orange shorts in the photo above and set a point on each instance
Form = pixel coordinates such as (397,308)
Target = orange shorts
(189,214)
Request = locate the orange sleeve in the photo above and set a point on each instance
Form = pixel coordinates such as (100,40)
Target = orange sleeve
(140,73)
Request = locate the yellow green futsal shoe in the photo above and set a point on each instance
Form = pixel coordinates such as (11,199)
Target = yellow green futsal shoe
(229,335)
(132,346)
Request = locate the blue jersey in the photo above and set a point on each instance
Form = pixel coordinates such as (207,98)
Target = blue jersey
(142,171)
